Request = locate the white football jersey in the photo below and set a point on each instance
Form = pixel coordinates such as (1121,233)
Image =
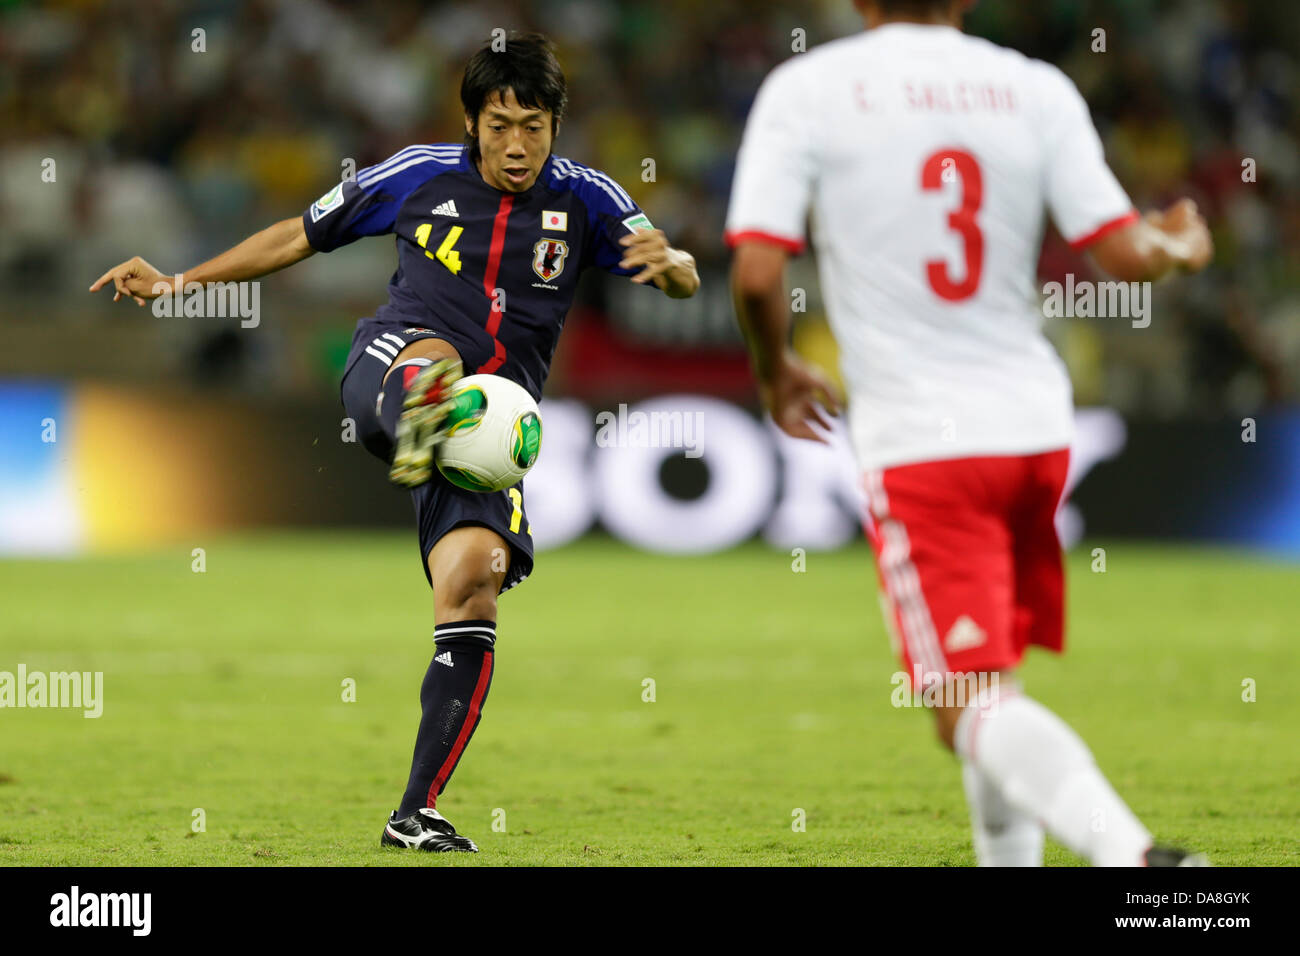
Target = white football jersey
(927,159)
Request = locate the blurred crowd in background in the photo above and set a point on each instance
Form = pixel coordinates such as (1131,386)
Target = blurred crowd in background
(178,128)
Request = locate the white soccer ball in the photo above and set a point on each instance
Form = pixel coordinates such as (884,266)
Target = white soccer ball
(493,437)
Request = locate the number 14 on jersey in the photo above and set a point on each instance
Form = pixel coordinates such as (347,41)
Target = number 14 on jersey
(446,253)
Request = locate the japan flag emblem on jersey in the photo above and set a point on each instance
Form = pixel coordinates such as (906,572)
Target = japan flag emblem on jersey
(548,257)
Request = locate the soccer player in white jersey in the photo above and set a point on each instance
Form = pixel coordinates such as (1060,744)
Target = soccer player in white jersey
(927,160)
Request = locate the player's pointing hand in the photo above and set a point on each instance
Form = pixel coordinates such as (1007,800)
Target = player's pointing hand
(135,279)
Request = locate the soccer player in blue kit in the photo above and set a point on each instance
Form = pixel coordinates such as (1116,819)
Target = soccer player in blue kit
(491,238)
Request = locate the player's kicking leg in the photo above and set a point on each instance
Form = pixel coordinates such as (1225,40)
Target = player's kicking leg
(473,546)
(413,405)
(971,570)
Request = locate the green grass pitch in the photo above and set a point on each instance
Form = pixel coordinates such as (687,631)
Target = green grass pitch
(224,692)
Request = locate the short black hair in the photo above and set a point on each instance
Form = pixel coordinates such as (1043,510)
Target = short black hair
(527,65)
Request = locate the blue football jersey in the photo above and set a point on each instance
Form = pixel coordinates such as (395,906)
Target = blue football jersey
(493,272)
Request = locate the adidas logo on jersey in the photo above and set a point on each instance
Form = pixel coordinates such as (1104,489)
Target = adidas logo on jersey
(445,658)
(447,208)
(963,634)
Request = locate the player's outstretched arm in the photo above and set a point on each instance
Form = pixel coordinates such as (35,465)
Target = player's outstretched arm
(270,250)
(1174,238)
(792,390)
(671,270)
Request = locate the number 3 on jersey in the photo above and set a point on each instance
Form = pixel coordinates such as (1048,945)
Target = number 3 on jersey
(446,253)
(939,168)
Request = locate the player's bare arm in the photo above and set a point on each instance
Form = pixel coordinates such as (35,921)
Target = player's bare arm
(671,270)
(1163,241)
(274,248)
(793,392)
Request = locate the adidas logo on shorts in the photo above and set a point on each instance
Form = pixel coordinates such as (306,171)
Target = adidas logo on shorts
(963,634)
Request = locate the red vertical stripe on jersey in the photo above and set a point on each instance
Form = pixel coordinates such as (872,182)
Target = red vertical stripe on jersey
(466,729)
(490,282)
(496,361)
(494,254)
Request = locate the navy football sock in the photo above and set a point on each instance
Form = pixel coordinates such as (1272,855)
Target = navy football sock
(451,698)
(393,393)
